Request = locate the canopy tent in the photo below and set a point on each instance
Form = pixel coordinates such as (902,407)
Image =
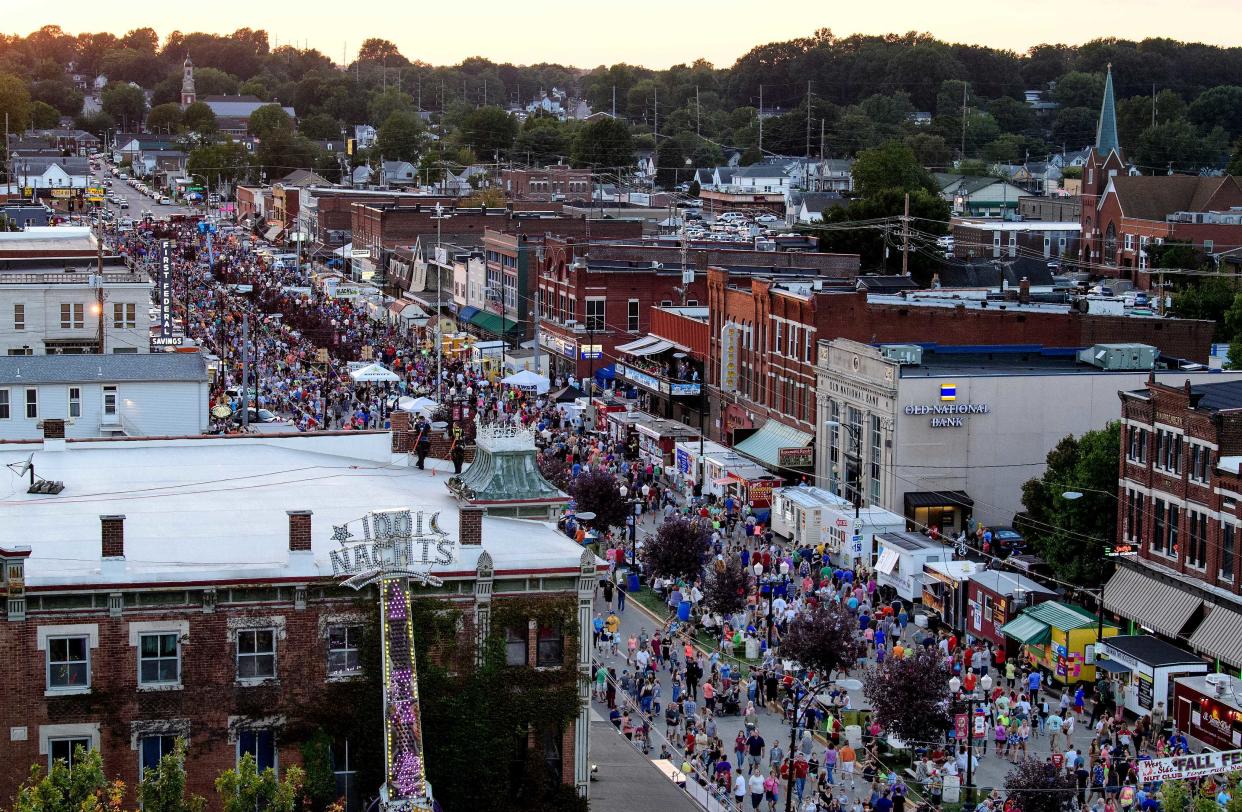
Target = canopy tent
(419,405)
(374,373)
(765,444)
(527,379)
(567,394)
(345,250)
(1027,629)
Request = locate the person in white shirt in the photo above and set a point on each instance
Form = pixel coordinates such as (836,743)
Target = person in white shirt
(739,789)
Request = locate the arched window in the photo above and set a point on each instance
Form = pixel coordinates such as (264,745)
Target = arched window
(1110,244)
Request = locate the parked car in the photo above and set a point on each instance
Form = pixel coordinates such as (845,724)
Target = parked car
(766,218)
(1006,541)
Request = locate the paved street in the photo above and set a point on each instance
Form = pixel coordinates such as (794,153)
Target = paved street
(138,202)
(989,773)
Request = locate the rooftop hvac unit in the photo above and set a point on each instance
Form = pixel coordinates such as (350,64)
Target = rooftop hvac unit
(1114,357)
(907,354)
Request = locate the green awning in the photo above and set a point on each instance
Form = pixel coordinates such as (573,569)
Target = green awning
(494,323)
(1026,629)
(764,446)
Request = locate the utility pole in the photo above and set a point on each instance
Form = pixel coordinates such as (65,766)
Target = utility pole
(538,307)
(761,121)
(1153,104)
(245,371)
(963,154)
(655,119)
(614,101)
(99,290)
(806,164)
(821,139)
(698,113)
(905,238)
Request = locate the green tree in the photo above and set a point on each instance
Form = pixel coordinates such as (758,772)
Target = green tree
(245,789)
(223,163)
(605,143)
(1078,89)
(931,209)
(320,784)
(929,149)
(670,163)
(163,788)
(14,102)
(1207,298)
(386,102)
(891,166)
(1071,534)
(43,116)
(60,94)
(269,120)
(401,137)
(94,123)
(489,131)
(543,140)
(82,789)
(1218,106)
(165,118)
(1074,127)
(1175,796)
(1006,149)
(124,102)
(321,126)
(1235,162)
(199,118)
(1179,145)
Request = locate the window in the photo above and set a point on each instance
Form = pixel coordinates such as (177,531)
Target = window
(632,316)
(124,315)
(19,316)
(261,744)
(67,750)
(1200,462)
(1174,520)
(153,748)
(346,772)
(1129,242)
(1169,451)
(793,341)
(834,444)
(343,649)
(1228,538)
(256,653)
(1157,537)
(515,647)
(109,401)
(779,333)
(877,449)
(68,663)
(595,314)
(1196,533)
(159,659)
(1134,516)
(1136,448)
(552,754)
(32,404)
(551,651)
(75,401)
(4,405)
(72,316)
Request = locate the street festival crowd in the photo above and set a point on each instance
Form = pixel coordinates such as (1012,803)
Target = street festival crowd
(832,771)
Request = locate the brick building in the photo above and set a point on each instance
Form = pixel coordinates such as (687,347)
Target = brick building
(1038,207)
(1179,489)
(327,211)
(1042,239)
(555,182)
(227,627)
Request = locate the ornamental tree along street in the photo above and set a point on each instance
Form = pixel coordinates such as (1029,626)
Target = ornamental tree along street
(823,639)
(1033,787)
(909,696)
(724,590)
(677,549)
(599,492)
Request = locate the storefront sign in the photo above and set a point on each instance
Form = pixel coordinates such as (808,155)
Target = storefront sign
(683,461)
(641,378)
(796,457)
(730,339)
(62,193)
(167,341)
(346,292)
(947,415)
(761,492)
(164,281)
(590,352)
(558,345)
(1182,768)
(684,389)
(1146,690)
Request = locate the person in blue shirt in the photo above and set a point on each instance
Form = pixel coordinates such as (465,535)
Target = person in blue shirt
(1032,684)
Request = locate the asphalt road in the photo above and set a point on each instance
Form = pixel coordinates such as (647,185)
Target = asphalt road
(138,202)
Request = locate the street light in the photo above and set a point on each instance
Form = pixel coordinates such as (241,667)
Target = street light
(955,687)
(855,442)
(1074,496)
(801,706)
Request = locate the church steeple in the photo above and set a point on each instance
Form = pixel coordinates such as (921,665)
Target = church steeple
(187,83)
(1106,130)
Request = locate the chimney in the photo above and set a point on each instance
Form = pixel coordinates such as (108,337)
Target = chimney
(1024,291)
(112,535)
(53,434)
(470,531)
(400,432)
(299,531)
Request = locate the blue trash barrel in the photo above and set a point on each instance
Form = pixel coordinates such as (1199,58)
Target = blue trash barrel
(631,582)
(683,610)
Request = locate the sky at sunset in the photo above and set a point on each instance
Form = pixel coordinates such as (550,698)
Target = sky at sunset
(655,33)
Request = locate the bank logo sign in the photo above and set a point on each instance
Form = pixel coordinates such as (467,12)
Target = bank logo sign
(948,392)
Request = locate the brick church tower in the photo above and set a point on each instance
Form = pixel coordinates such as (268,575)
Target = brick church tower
(1104,161)
(187,83)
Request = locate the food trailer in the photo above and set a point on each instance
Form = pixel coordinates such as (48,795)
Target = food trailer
(725,473)
(945,590)
(1146,667)
(996,597)
(1057,638)
(605,405)
(815,516)
(687,461)
(1209,707)
(901,557)
(798,513)
(658,438)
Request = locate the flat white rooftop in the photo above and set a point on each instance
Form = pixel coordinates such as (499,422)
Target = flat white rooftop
(213,509)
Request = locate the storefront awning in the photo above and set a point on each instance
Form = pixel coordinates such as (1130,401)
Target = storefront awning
(1027,630)
(635,345)
(1112,666)
(272,233)
(887,561)
(1152,602)
(494,323)
(467,313)
(659,345)
(1218,636)
(927,499)
(765,444)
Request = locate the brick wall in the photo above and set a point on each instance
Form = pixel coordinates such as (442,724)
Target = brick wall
(470,529)
(53,428)
(112,533)
(299,530)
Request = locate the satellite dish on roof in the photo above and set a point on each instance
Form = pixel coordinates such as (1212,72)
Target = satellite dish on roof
(21,468)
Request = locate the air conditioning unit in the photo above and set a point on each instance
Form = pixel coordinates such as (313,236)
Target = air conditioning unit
(906,354)
(1120,356)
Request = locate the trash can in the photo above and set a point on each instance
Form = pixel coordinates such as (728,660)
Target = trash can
(752,648)
(683,608)
(853,735)
(631,582)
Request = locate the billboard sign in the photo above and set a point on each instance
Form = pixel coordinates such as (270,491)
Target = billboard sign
(164,285)
(1183,768)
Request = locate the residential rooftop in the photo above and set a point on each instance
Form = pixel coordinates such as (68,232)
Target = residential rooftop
(110,368)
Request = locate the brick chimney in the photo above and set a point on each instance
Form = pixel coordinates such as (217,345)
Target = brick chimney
(1024,291)
(400,432)
(112,535)
(470,530)
(53,434)
(299,531)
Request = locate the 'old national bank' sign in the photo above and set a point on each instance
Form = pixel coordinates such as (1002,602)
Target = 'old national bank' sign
(947,415)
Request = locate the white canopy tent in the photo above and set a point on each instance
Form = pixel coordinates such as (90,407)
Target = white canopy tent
(527,379)
(419,405)
(374,373)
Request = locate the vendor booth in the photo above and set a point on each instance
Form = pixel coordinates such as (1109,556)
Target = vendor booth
(658,438)
(688,460)
(528,381)
(815,516)
(1059,639)
(945,590)
(901,558)
(1209,707)
(994,598)
(1146,666)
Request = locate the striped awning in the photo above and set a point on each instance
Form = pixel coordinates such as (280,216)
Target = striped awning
(1218,636)
(635,345)
(1151,602)
(1028,630)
